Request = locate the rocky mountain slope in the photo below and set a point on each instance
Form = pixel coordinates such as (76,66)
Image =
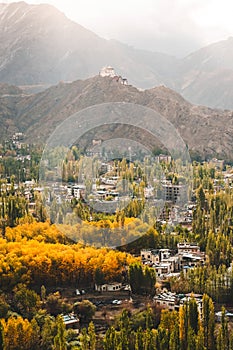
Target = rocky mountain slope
(51,48)
(40,47)
(206,131)
(206,76)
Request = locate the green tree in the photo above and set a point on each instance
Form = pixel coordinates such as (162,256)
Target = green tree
(223,333)
(84,339)
(1,337)
(191,340)
(85,310)
(35,338)
(174,342)
(149,281)
(26,301)
(60,338)
(139,339)
(200,339)
(135,277)
(48,333)
(208,321)
(193,315)
(142,281)
(124,329)
(92,336)
(110,339)
(43,293)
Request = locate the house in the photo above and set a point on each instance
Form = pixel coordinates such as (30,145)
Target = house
(108,287)
(175,262)
(216,163)
(192,260)
(166,300)
(188,248)
(228,315)
(164,158)
(71,321)
(173,301)
(150,256)
(164,254)
(163,268)
(124,81)
(96,142)
(161,260)
(190,255)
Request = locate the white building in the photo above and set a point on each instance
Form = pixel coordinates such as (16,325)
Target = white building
(188,248)
(107,72)
(166,300)
(163,268)
(70,321)
(108,287)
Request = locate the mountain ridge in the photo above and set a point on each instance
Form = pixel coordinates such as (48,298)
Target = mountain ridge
(206,131)
(41,46)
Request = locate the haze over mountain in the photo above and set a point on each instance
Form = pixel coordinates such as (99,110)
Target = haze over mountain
(41,46)
(207,132)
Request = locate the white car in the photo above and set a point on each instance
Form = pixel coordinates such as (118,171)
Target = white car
(115,301)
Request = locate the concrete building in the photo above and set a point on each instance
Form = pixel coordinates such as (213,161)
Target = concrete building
(108,287)
(150,256)
(164,158)
(188,248)
(172,192)
(167,300)
(163,268)
(173,301)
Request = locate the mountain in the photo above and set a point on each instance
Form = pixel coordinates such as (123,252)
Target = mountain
(207,132)
(40,46)
(206,76)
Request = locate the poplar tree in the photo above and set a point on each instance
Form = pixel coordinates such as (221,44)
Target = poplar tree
(92,336)
(60,338)
(208,320)
(1,337)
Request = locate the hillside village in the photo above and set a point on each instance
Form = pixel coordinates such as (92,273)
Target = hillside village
(116,184)
(104,193)
(169,260)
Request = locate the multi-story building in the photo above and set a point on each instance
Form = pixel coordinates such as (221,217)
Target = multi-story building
(188,256)
(188,248)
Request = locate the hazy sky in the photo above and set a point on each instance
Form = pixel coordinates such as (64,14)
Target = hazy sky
(173,26)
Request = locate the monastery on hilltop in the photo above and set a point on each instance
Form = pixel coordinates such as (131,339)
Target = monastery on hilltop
(109,72)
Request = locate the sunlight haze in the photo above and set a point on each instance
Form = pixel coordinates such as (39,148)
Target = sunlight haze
(175,27)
